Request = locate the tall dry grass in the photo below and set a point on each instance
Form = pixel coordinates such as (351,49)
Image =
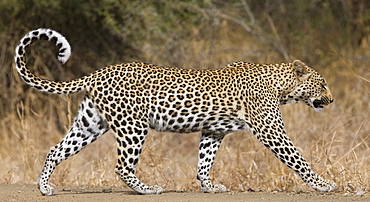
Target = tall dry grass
(335,142)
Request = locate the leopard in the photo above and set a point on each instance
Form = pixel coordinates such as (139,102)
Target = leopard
(132,98)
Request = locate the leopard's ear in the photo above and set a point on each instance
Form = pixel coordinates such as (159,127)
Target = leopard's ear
(301,70)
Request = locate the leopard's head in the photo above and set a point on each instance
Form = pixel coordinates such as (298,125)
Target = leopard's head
(311,88)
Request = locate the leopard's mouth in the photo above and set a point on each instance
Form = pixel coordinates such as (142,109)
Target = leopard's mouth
(319,104)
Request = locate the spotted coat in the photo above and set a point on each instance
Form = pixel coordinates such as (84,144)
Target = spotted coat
(132,98)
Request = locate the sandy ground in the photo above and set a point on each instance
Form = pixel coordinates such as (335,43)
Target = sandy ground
(31,193)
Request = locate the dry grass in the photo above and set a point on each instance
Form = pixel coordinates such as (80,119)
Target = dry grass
(335,142)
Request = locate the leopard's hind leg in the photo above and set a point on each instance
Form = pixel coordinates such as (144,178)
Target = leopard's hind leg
(87,127)
(130,140)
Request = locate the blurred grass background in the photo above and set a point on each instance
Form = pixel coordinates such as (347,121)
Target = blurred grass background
(331,36)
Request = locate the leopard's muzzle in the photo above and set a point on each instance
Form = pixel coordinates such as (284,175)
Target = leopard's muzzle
(322,102)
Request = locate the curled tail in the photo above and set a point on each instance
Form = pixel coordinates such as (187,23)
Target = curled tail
(45,85)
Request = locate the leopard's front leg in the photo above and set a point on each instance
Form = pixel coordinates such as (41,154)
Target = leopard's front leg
(284,150)
(209,144)
(274,137)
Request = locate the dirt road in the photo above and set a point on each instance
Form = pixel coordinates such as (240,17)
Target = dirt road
(31,193)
